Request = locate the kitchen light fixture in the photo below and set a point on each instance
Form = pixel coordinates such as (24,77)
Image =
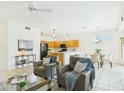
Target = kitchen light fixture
(67,36)
(41,33)
(97,38)
(54,35)
(121,26)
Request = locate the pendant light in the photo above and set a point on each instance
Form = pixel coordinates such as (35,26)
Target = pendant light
(67,36)
(97,39)
(54,35)
(121,26)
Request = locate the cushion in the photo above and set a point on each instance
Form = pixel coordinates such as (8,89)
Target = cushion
(46,60)
(79,67)
(73,61)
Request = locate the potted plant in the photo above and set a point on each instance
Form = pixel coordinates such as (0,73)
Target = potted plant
(22,85)
(98,50)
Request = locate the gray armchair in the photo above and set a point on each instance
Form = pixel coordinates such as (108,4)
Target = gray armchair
(45,70)
(83,81)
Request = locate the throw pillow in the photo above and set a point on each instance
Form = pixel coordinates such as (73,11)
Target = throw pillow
(79,67)
(46,60)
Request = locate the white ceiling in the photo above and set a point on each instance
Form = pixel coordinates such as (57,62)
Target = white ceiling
(66,16)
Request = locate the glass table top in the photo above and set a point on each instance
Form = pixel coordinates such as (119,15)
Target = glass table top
(40,82)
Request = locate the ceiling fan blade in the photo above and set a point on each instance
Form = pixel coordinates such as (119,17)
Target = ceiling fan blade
(15,6)
(31,8)
(43,10)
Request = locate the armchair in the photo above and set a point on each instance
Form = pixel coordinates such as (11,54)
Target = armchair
(45,70)
(82,83)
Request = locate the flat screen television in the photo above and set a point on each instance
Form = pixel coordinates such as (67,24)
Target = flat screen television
(26,45)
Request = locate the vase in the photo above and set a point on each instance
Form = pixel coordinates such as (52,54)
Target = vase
(31,78)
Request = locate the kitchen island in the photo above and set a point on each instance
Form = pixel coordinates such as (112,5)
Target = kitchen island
(63,57)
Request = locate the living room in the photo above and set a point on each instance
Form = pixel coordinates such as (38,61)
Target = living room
(40,38)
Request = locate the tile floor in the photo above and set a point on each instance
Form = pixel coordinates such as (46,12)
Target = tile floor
(5,74)
(107,79)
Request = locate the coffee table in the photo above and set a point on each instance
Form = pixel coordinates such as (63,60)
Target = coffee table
(40,84)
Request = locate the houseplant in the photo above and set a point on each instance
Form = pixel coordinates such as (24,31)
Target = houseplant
(22,84)
(98,50)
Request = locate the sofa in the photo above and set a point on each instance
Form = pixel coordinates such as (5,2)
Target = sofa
(46,70)
(82,83)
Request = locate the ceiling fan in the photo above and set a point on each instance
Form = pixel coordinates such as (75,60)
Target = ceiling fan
(33,8)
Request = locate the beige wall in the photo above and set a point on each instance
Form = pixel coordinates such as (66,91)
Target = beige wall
(3,45)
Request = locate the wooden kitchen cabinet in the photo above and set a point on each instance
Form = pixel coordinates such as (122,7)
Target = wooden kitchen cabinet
(72,43)
(56,44)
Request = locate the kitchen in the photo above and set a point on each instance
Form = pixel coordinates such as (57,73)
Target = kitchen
(62,49)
